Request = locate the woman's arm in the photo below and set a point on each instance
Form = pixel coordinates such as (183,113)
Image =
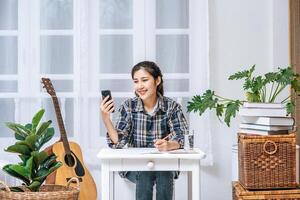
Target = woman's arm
(178,125)
(106,108)
(118,135)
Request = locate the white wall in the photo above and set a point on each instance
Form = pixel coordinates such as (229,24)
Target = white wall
(242,33)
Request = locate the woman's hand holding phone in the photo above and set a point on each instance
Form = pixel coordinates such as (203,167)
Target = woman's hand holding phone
(106,107)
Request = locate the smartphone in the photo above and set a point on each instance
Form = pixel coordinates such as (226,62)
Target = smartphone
(106,93)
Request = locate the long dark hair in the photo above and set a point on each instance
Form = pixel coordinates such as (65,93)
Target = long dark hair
(153,69)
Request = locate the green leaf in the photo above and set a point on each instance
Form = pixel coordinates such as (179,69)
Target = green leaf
(208,99)
(35,186)
(41,130)
(49,161)
(253,97)
(24,158)
(23,128)
(19,148)
(231,109)
(295,85)
(242,74)
(251,70)
(247,84)
(55,166)
(17,128)
(23,143)
(41,173)
(28,126)
(257,85)
(30,141)
(39,157)
(290,107)
(285,76)
(19,137)
(220,110)
(201,103)
(17,172)
(21,170)
(46,137)
(44,172)
(29,167)
(36,119)
(270,77)
(16,189)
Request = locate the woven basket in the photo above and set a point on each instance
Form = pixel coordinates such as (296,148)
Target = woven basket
(47,192)
(240,193)
(267,161)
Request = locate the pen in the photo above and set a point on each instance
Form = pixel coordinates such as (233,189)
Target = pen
(167,137)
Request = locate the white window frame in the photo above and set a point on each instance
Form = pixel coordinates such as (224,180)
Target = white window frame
(85,54)
(199,60)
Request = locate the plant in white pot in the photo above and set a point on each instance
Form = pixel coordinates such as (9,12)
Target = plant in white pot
(258,89)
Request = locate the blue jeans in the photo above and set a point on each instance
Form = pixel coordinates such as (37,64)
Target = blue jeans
(145,181)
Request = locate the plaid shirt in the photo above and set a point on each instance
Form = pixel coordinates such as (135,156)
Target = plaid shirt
(138,129)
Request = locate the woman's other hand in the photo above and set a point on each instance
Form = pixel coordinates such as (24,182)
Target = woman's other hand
(106,107)
(161,145)
(164,145)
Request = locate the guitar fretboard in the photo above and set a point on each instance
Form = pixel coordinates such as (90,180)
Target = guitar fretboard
(61,126)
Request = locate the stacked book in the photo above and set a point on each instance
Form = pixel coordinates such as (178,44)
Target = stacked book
(265,119)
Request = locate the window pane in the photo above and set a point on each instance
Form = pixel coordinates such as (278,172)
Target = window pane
(56,14)
(172,13)
(116,53)
(56,54)
(115,14)
(118,102)
(114,85)
(172,53)
(8,55)
(8,14)
(68,121)
(61,86)
(176,85)
(7,107)
(8,86)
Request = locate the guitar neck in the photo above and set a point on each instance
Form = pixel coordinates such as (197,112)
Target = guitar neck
(63,134)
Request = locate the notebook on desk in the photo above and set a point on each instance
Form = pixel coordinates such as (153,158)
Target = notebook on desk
(177,151)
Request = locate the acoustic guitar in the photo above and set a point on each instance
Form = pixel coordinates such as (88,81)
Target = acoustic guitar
(69,153)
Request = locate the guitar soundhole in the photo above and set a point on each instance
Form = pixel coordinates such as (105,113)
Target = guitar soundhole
(69,160)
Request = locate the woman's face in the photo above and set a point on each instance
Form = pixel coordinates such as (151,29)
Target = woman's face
(144,84)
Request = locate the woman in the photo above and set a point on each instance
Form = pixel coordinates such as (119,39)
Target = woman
(145,121)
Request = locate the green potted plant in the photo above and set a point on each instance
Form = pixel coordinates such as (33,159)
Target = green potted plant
(35,164)
(260,89)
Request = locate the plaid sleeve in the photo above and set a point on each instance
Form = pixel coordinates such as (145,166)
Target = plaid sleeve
(122,126)
(178,124)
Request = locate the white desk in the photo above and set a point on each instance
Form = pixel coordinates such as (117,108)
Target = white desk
(146,159)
